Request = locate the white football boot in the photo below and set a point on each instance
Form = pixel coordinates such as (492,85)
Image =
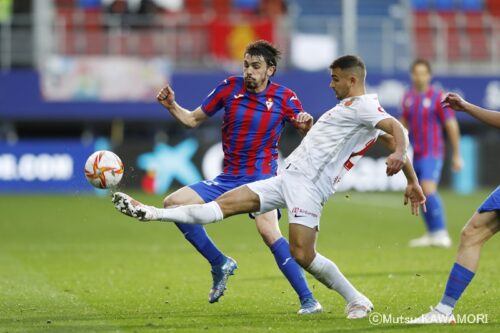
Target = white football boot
(133,208)
(438,239)
(359,308)
(434,317)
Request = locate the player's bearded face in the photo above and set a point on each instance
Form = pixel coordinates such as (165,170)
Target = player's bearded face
(340,83)
(256,73)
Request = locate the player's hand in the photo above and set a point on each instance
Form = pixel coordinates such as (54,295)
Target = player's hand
(456,163)
(454,101)
(416,197)
(166,96)
(395,162)
(303,121)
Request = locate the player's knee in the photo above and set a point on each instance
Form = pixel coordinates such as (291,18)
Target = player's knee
(268,228)
(429,188)
(301,255)
(470,235)
(171,201)
(269,236)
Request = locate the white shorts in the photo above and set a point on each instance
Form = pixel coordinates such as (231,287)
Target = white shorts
(291,190)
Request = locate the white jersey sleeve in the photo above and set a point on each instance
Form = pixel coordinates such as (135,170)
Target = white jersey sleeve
(370,112)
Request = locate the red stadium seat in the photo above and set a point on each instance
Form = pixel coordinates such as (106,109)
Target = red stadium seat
(194,6)
(94,39)
(66,16)
(453,43)
(221,7)
(145,43)
(493,7)
(65,4)
(476,35)
(424,35)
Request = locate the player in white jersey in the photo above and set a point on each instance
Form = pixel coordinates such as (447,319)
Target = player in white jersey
(333,145)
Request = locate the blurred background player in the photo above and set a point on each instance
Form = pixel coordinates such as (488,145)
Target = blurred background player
(425,118)
(255,112)
(481,226)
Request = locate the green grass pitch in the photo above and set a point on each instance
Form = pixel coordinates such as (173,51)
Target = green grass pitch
(74,264)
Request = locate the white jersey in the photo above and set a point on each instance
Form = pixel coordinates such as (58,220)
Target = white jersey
(338,139)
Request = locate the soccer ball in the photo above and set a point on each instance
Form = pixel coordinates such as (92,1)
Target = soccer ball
(103,169)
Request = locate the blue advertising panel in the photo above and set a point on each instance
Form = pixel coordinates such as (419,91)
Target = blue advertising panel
(21,97)
(44,166)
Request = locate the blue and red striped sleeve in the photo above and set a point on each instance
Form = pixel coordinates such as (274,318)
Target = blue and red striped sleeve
(217,98)
(405,107)
(292,104)
(444,113)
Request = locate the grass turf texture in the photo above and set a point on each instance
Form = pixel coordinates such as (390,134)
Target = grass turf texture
(74,264)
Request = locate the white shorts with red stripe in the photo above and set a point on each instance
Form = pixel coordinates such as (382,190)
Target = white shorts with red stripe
(292,190)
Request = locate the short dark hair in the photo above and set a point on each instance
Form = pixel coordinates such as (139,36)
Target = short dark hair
(347,62)
(423,62)
(263,48)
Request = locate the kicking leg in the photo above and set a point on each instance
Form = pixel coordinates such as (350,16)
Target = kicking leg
(303,248)
(238,201)
(268,227)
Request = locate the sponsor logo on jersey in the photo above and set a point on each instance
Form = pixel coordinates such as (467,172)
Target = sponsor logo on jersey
(293,98)
(238,96)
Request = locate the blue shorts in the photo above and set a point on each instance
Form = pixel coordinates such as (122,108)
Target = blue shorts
(210,190)
(491,203)
(428,168)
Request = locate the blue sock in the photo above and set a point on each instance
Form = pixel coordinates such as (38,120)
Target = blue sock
(290,268)
(197,236)
(434,217)
(458,280)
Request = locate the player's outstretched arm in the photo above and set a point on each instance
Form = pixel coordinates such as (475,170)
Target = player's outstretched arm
(413,191)
(457,103)
(190,119)
(397,159)
(453,133)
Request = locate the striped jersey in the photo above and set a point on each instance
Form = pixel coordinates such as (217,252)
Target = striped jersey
(426,117)
(252,124)
(340,137)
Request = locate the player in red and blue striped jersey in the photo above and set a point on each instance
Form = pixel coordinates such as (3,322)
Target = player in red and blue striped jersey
(425,117)
(255,112)
(252,124)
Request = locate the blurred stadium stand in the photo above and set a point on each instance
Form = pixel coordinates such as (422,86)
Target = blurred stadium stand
(51,52)
(458,35)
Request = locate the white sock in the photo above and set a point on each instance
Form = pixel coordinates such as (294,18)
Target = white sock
(443,308)
(326,272)
(192,214)
(439,233)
